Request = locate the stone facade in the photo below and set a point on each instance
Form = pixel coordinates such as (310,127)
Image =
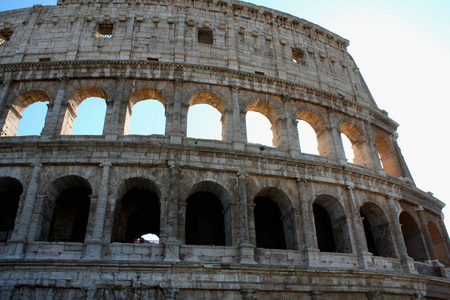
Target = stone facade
(236,220)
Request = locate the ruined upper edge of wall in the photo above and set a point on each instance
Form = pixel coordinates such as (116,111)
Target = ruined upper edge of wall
(236,7)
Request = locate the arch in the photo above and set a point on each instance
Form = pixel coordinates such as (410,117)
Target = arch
(439,244)
(145,94)
(19,104)
(359,145)
(66,210)
(208,215)
(10,191)
(320,129)
(137,210)
(377,230)
(275,224)
(214,101)
(387,156)
(413,238)
(74,102)
(331,225)
(272,115)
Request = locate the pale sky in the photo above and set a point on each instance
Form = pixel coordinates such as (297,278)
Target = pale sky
(403,51)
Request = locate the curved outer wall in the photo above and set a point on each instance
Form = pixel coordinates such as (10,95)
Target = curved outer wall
(236,57)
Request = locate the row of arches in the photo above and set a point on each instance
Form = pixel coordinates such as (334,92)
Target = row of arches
(208,218)
(208,115)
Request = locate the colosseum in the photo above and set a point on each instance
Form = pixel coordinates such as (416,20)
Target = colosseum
(235,219)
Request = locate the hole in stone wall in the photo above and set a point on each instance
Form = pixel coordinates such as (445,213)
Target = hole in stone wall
(10,191)
(205,36)
(105,30)
(413,238)
(307,138)
(298,56)
(259,129)
(347,144)
(324,230)
(5,36)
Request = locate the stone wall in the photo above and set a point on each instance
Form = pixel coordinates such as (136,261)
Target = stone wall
(334,229)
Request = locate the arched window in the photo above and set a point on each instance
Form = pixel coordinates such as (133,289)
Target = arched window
(146,113)
(257,125)
(90,117)
(313,134)
(360,150)
(204,220)
(413,239)
(274,220)
(67,210)
(34,117)
(331,225)
(206,117)
(387,156)
(377,230)
(137,212)
(148,118)
(439,244)
(10,191)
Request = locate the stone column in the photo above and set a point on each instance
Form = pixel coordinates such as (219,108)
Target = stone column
(444,232)
(15,247)
(94,241)
(172,243)
(335,139)
(407,262)
(50,130)
(177,130)
(4,94)
(239,135)
(426,234)
(308,223)
(365,257)
(372,148)
(114,121)
(401,160)
(247,249)
(292,143)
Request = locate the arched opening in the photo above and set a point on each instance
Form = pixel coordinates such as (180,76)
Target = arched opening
(387,156)
(146,113)
(66,210)
(377,230)
(90,118)
(206,117)
(413,239)
(10,191)
(275,225)
(313,134)
(439,244)
(331,225)
(347,145)
(360,150)
(256,126)
(137,217)
(34,118)
(147,118)
(208,215)
(87,107)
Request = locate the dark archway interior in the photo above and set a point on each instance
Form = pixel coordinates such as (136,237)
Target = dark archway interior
(204,220)
(139,215)
(413,240)
(324,230)
(70,216)
(268,224)
(371,245)
(9,201)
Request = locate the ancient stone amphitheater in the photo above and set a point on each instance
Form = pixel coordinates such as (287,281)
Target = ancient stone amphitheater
(236,220)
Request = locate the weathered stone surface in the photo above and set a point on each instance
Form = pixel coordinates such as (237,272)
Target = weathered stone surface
(236,220)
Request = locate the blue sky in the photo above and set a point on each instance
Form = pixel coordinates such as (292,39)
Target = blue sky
(403,50)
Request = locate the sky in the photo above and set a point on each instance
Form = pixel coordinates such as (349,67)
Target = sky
(402,48)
